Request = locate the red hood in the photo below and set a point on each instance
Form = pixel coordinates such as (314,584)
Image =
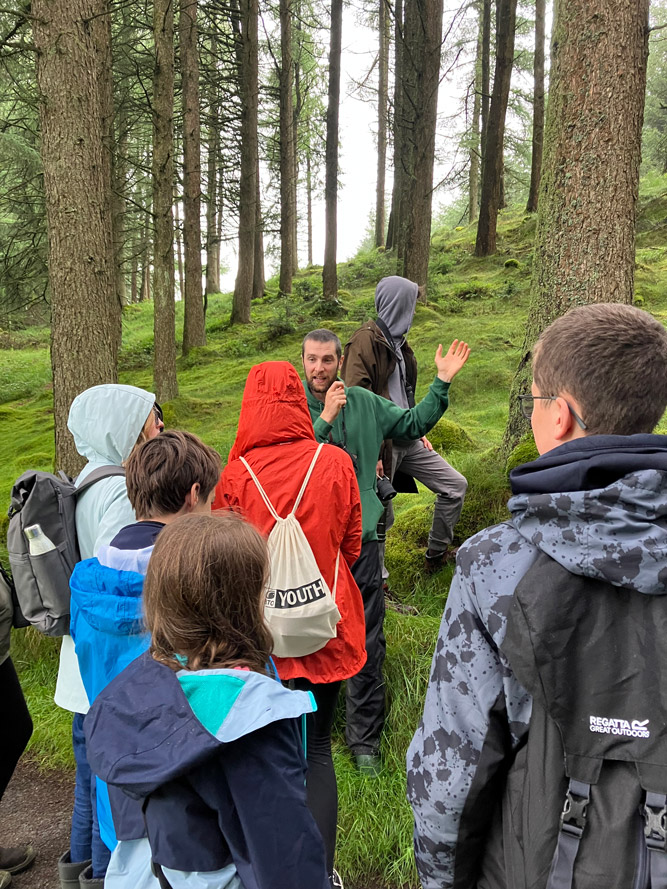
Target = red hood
(274,409)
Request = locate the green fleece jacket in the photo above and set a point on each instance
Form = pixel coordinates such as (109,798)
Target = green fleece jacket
(369,419)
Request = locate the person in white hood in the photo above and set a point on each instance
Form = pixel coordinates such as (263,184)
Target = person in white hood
(107,422)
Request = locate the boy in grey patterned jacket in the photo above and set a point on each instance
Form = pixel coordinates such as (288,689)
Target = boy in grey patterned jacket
(595,501)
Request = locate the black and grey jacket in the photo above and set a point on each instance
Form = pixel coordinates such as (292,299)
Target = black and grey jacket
(598,507)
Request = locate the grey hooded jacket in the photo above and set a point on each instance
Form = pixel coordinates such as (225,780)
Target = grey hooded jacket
(598,506)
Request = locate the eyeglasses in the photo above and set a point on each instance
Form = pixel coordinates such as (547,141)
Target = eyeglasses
(528,404)
(159,416)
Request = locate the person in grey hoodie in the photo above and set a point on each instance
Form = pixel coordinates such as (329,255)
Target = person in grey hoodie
(107,422)
(378,357)
(595,503)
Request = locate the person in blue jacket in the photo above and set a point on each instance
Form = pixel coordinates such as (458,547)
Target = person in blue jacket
(107,423)
(168,476)
(198,737)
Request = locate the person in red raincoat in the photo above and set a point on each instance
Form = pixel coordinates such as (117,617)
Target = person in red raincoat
(275,435)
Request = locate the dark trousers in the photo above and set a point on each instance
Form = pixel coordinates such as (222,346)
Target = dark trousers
(321,788)
(17,724)
(364,706)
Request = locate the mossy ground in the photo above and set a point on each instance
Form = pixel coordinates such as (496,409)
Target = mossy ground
(483,301)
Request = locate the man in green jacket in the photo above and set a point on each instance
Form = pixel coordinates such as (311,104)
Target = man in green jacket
(358,420)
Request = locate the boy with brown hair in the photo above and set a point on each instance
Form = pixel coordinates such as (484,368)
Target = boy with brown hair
(168,476)
(546,694)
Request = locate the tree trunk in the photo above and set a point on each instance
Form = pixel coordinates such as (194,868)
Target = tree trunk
(287,162)
(395,213)
(474,151)
(179,247)
(249,92)
(538,106)
(212,240)
(329,272)
(493,154)
(164,311)
(78,206)
(309,208)
(585,241)
(423,38)
(194,323)
(383,90)
(258,279)
(486,73)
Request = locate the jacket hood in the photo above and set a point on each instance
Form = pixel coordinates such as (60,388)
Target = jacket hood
(151,725)
(396,301)
(274,409)
(106,421)
(598,506)
(109,599)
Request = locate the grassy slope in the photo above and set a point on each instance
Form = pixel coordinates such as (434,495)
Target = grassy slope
(482,301)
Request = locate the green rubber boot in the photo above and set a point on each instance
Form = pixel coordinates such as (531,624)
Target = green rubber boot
(88,881)
(69,871)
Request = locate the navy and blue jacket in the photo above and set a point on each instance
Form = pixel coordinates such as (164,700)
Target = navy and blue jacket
(214,757)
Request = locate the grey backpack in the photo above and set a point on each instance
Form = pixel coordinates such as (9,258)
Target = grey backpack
(42,581)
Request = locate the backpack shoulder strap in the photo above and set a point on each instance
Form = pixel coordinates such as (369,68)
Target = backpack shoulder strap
(97,475)
(263,494)
(299,496)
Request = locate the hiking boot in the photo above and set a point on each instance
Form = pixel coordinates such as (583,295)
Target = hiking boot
(434,562)
(368,764)
(88,881)
(335,880)
(16,859)
(6,879)
(69,871)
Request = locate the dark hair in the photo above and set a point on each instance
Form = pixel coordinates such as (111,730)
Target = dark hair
(161,472)
(204,594)
(322,335)
(612,358)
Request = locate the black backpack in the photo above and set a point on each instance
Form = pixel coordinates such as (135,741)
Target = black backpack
(585,800)
(41,582)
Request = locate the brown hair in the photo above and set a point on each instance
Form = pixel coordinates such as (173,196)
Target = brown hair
(322,335)
(161,471)
(612,358)
(204,594)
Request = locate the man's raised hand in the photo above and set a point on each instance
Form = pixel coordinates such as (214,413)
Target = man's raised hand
(450,364)
(334,401)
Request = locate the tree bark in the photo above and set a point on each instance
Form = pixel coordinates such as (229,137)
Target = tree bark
(287,159)
(329,271)
(194,323)
(249,91)
(78,206)
(423,38)
(258,279)
(490,200)
(213,159)
(538,106)
(164,312)
(474,150)
(383,90)
(397,128)
(309,208)
(486,73)
(585,241)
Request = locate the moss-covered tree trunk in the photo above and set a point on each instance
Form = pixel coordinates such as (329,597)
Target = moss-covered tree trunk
(329,272)
(585,242)
(287,159)
(69,62)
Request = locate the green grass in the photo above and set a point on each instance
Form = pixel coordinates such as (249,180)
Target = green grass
(481,300)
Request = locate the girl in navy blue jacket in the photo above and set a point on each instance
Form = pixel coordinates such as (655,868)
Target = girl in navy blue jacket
(200,747)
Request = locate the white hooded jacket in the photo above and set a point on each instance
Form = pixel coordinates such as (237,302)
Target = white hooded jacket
(106,422)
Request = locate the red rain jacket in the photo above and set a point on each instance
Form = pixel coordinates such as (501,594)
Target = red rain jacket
(276,437)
